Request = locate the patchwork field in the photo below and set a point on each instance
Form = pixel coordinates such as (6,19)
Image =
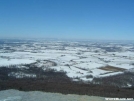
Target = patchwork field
(80,62)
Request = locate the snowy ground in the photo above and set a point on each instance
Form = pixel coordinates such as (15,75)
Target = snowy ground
(15,95)
(78,59)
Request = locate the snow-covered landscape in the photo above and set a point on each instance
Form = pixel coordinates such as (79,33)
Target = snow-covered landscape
(95,68)
(81,60)
(15,95)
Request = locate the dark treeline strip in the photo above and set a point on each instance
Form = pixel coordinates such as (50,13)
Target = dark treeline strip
(59,86)
(119,80)
(58,82)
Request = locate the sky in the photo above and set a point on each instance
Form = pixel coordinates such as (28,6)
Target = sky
(71,19)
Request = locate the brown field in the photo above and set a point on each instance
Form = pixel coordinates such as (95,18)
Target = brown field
(112,68)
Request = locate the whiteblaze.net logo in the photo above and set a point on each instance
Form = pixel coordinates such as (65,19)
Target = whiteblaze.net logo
(118,99)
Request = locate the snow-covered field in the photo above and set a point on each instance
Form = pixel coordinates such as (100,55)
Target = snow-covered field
(15,95)
(79,59)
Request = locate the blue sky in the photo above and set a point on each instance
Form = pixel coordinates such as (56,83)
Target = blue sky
(75,19)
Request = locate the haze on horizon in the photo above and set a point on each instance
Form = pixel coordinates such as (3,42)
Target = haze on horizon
(74,19)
